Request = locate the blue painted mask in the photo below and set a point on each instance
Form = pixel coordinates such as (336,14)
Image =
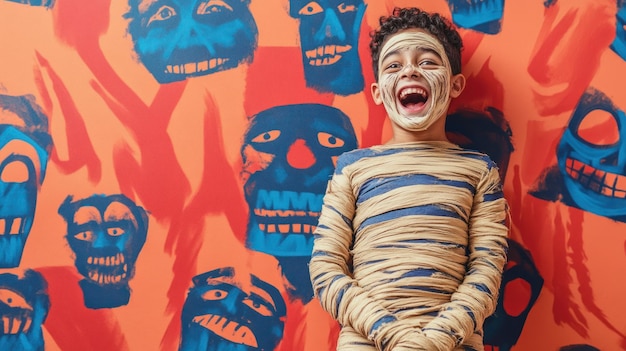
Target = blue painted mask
(24,151)
(24,306)
(483,16)
(177,39)
(227,310)
(106,234)
(288,156)
(329,36)
(594,173)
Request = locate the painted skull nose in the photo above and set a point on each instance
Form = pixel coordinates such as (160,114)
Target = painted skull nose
(300,155)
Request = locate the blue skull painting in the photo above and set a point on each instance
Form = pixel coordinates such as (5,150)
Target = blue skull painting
(177,39)
(591,160)
(483,16)
(228,310)
(24,150)
(106,234)
(289,154)
(329,35)
(24,306)
(619,43)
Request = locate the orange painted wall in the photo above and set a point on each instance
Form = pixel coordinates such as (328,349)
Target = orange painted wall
(175,150)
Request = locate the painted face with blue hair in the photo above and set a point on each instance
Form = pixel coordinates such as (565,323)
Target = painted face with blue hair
(106,234)
(177,39)
(231,310)
(329,35)
(24,306)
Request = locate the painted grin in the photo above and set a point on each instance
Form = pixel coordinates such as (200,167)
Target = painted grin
(601,182)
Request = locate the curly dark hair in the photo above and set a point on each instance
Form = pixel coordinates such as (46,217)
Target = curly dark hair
(412,17)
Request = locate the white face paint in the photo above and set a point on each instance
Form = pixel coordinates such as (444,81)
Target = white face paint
(405,50)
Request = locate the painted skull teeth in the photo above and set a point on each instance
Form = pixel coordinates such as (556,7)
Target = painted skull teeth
(195,67)
(12,324)
(12,226)
(227,329)
(326,55)
(114,260)
(288,228)
(602,182)
(106,269)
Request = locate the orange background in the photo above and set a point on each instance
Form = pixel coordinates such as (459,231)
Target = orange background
(534,71)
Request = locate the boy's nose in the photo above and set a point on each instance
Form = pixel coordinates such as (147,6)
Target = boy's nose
(410,71)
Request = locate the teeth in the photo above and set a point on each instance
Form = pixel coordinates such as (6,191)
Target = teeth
(408,91)
(194,67)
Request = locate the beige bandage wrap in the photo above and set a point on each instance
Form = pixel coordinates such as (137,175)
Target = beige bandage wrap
(427,242)
(438,80)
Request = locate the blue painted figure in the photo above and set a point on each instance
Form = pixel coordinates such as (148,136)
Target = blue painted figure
(227,310)
(289,153)
(329,36)
(177,39)
(24,150)
(483,16)
(106,234)
(24,306)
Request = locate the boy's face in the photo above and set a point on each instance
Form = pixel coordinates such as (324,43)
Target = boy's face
(415,81)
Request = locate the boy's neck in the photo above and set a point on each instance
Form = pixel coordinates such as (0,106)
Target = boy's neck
(436,132)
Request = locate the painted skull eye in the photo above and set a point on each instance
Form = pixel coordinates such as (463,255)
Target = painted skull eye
(15,172)
(115,231)
(599,128)
(259,306)
(215,294)
(329,140)
(311,8)
(343,8)
(87,235)
(213,6)
(267,136)
(163,13)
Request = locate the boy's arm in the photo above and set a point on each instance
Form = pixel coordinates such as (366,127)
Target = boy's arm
(331,275)
(476,297)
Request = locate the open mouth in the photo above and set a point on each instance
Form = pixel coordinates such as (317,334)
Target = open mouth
(413,99)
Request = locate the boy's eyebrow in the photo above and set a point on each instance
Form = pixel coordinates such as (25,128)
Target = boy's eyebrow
(393,52)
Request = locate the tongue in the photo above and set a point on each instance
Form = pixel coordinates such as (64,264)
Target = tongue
(413,107)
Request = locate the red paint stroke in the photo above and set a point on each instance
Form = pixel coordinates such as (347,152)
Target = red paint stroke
(567,54)
(575,229)
(482,90)
(471,41)
(72,325)
(80,25)
(218,193)
(80,150)
(156,172)
(565,310)
(275,82)
(372,134)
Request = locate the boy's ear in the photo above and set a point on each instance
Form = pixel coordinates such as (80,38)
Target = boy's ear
(376,94)
(457,85)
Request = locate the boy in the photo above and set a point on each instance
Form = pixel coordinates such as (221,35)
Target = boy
(411,242)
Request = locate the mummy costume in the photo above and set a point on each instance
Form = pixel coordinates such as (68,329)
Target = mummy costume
(410,247)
